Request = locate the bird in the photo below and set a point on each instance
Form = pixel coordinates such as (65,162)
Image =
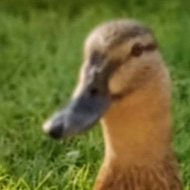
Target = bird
(125,83)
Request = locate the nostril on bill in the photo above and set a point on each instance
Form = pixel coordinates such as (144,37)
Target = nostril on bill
(53,128)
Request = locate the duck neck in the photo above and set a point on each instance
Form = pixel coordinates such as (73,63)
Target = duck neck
(137,127)
(137,142)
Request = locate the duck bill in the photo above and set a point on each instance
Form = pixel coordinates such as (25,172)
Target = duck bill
(79,115)
(92,100)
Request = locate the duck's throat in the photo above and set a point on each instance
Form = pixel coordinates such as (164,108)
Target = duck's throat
(138,152)
(137,128)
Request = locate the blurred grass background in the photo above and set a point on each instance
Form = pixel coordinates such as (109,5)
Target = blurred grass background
(40,54)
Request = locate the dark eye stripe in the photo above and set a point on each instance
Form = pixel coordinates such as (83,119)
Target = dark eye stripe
(151,47)
(138,49)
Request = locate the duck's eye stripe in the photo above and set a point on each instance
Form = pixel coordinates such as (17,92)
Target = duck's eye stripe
(138,49)
(151,47)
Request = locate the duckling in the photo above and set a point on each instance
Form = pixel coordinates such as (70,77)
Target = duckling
(124,81)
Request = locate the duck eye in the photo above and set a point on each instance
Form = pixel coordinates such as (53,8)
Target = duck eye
(137,50)
(93,91)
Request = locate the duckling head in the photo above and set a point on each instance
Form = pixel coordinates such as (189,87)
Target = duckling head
(120,57)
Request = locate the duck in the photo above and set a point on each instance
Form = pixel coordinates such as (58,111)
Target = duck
(124,83)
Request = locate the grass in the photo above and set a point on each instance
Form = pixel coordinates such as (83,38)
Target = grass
(40,54)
